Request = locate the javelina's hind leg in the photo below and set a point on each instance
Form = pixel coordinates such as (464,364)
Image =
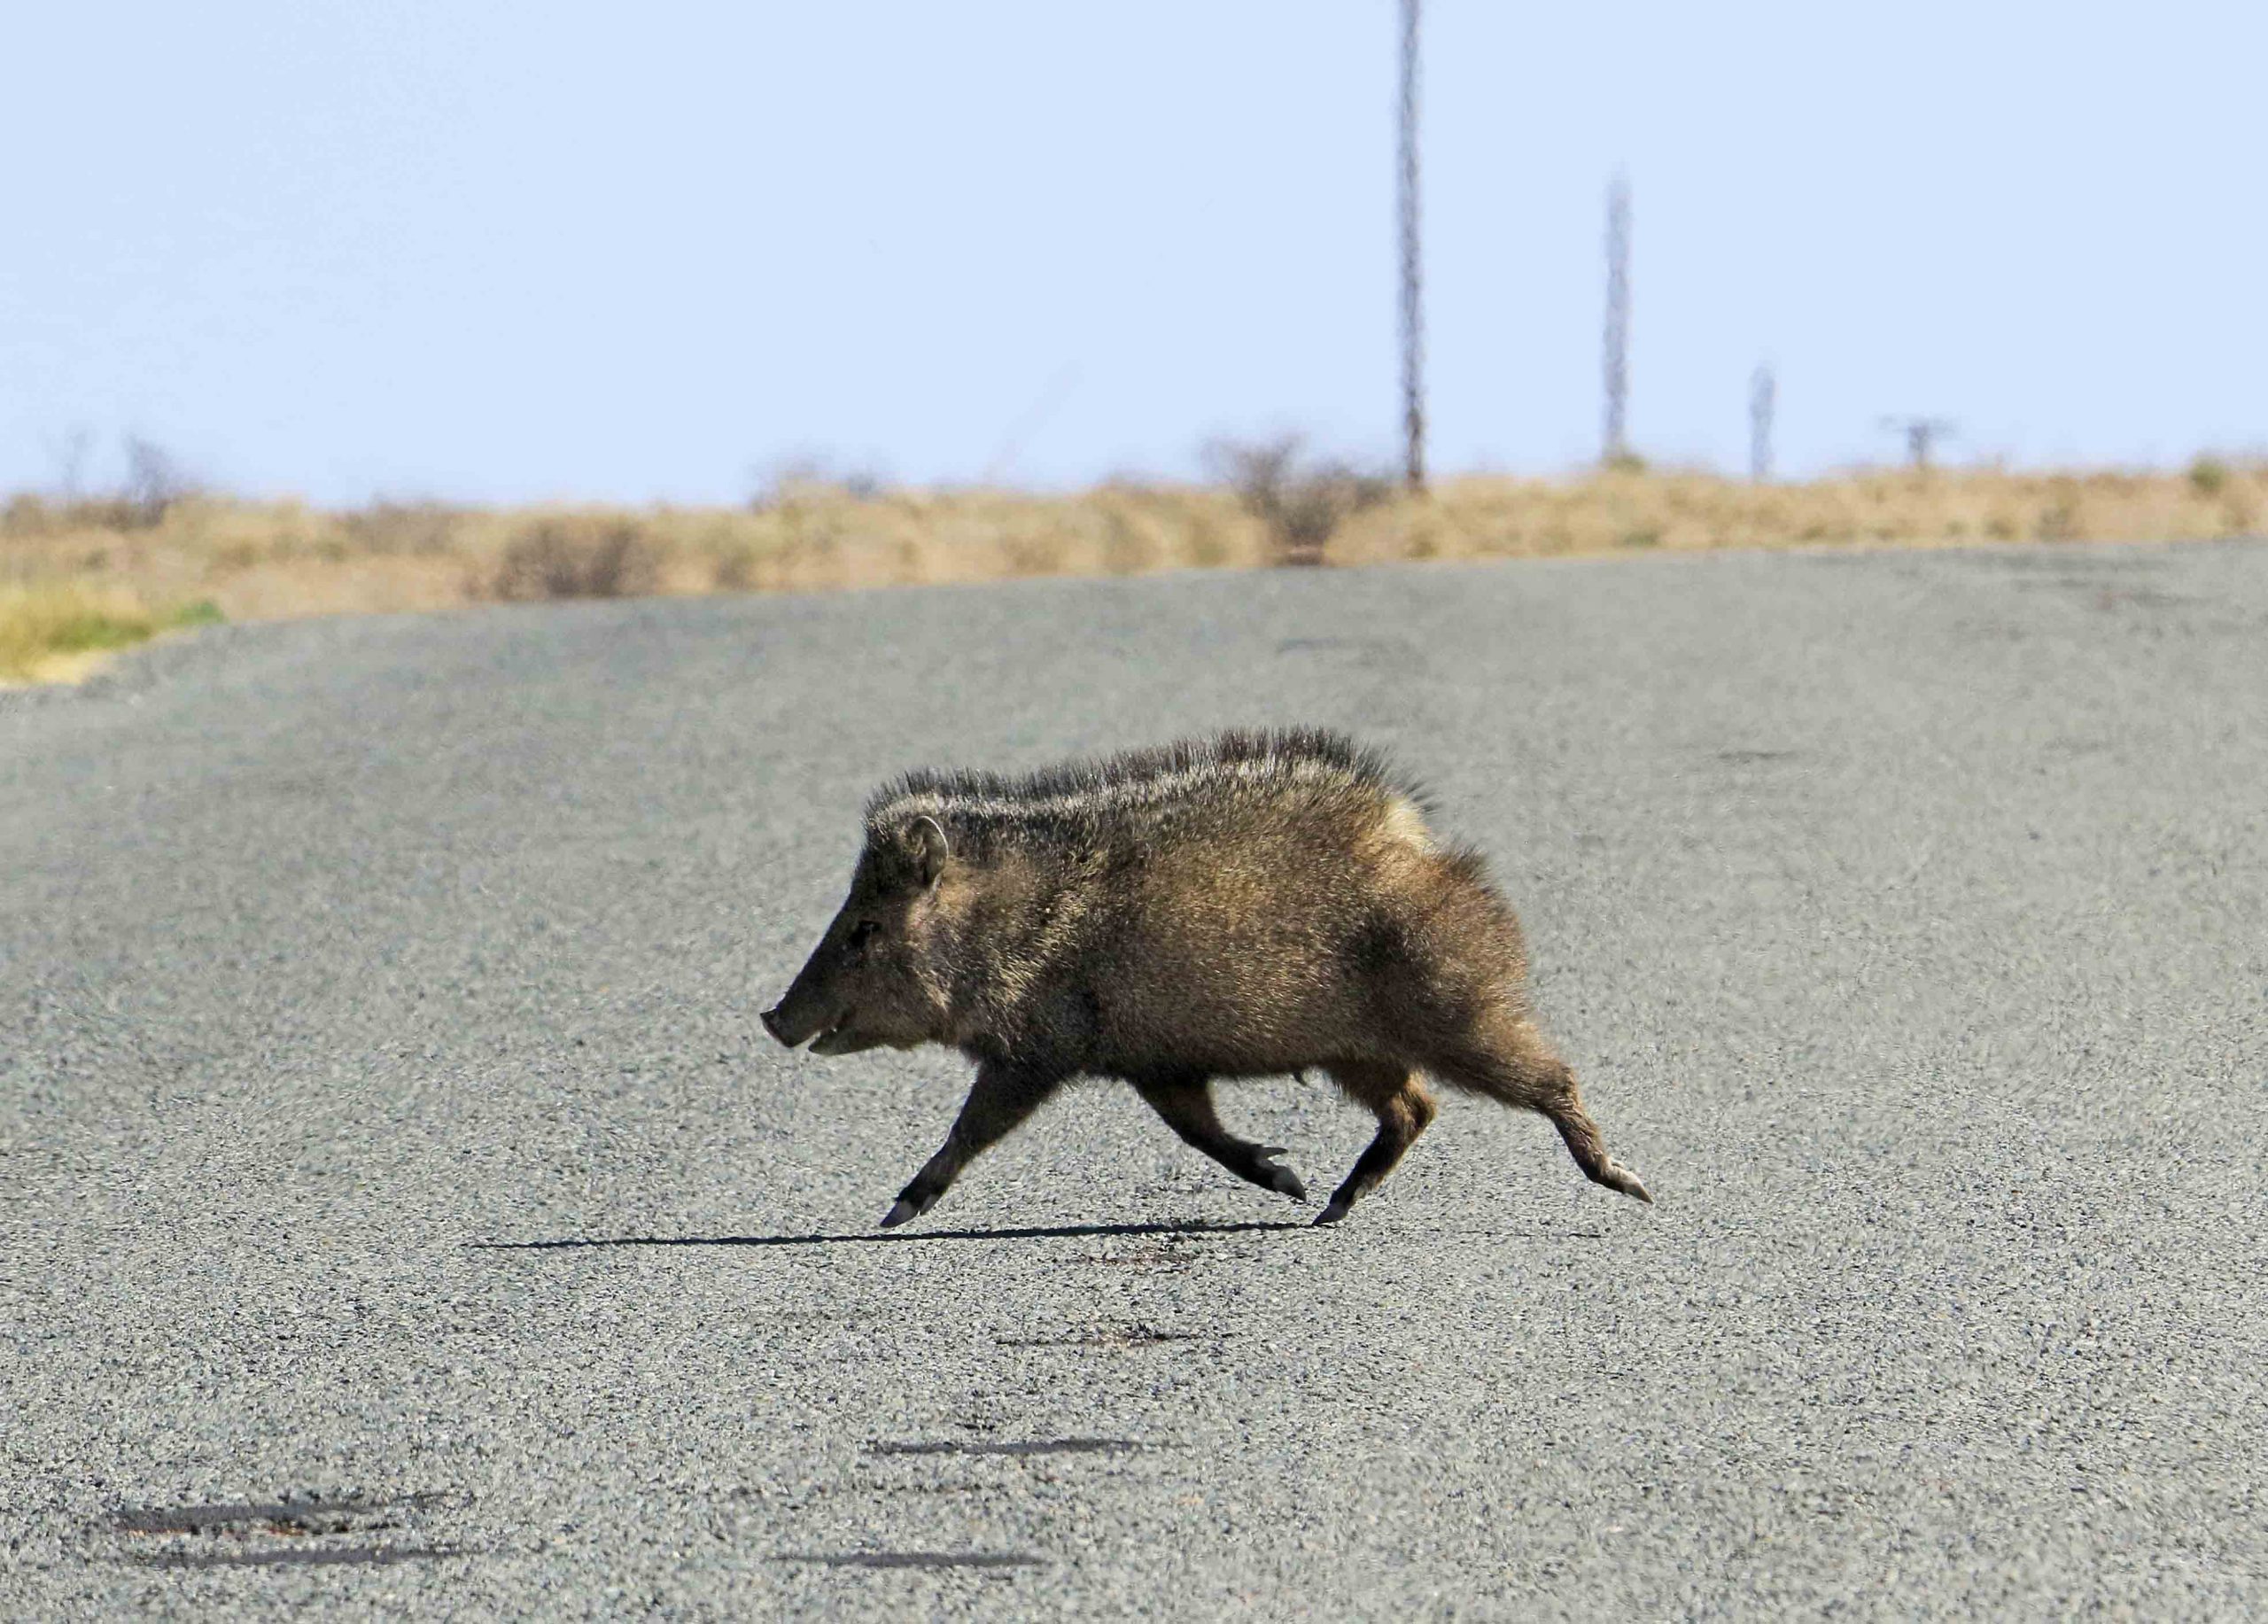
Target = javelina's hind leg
(1403,1109)
(998,1102)
(1512,1062)
(1186,1103)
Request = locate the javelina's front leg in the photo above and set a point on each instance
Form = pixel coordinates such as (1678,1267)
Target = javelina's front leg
(999,1100)
(1186,1103)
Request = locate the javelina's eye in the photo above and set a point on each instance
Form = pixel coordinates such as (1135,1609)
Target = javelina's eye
(862,933)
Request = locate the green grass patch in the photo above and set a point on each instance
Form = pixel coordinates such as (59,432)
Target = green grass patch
(40,625)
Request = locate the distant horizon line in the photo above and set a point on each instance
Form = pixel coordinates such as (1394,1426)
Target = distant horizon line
(857,482)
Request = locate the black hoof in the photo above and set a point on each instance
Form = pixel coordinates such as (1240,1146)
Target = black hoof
(1282,1180)
(1333,1212)
(900,1212)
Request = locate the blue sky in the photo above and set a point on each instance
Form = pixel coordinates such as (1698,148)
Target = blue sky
(502,251)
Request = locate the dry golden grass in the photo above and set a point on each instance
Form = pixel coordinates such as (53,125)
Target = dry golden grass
(56,631)
(266,560)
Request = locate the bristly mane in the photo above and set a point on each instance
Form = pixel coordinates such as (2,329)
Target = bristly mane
(1080,797)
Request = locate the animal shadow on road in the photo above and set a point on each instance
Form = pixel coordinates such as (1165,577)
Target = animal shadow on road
(1067,1231)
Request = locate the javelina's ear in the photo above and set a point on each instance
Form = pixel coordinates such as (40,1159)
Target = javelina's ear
(927,838)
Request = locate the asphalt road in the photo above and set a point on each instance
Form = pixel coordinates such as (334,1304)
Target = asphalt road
(391,1165)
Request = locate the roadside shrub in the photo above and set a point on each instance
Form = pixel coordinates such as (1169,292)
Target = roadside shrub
(25,513)
(389,528)
(2209,476)
(571,556)
(1301,504)
(734,570)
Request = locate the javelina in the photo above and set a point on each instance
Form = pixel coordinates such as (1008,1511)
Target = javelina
(1252,904)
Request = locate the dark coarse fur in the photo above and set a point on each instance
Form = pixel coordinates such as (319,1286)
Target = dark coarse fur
(1251,903)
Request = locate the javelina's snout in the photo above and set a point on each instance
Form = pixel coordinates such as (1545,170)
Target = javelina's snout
(808,1008)
(794,1021)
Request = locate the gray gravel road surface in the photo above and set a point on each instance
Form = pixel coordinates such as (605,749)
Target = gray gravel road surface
(401,1210)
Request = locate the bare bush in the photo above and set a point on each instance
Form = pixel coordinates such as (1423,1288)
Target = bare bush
(574,556)
(1301,502)
(155,484)
(155,481)
(812,478)
(71,449)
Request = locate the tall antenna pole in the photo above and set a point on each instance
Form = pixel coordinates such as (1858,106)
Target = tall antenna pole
(1618,316)
(1763,394)
(1413,326)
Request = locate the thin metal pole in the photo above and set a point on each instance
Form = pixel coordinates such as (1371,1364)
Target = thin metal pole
(1413,327)
(1763,396)
(1617,445)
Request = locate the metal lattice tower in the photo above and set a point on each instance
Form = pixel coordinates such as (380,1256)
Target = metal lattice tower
(1617,443)
(1763,397)
(1413,325)
(1921,435)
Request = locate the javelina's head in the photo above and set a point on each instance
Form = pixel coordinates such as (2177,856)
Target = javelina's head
(874,977)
